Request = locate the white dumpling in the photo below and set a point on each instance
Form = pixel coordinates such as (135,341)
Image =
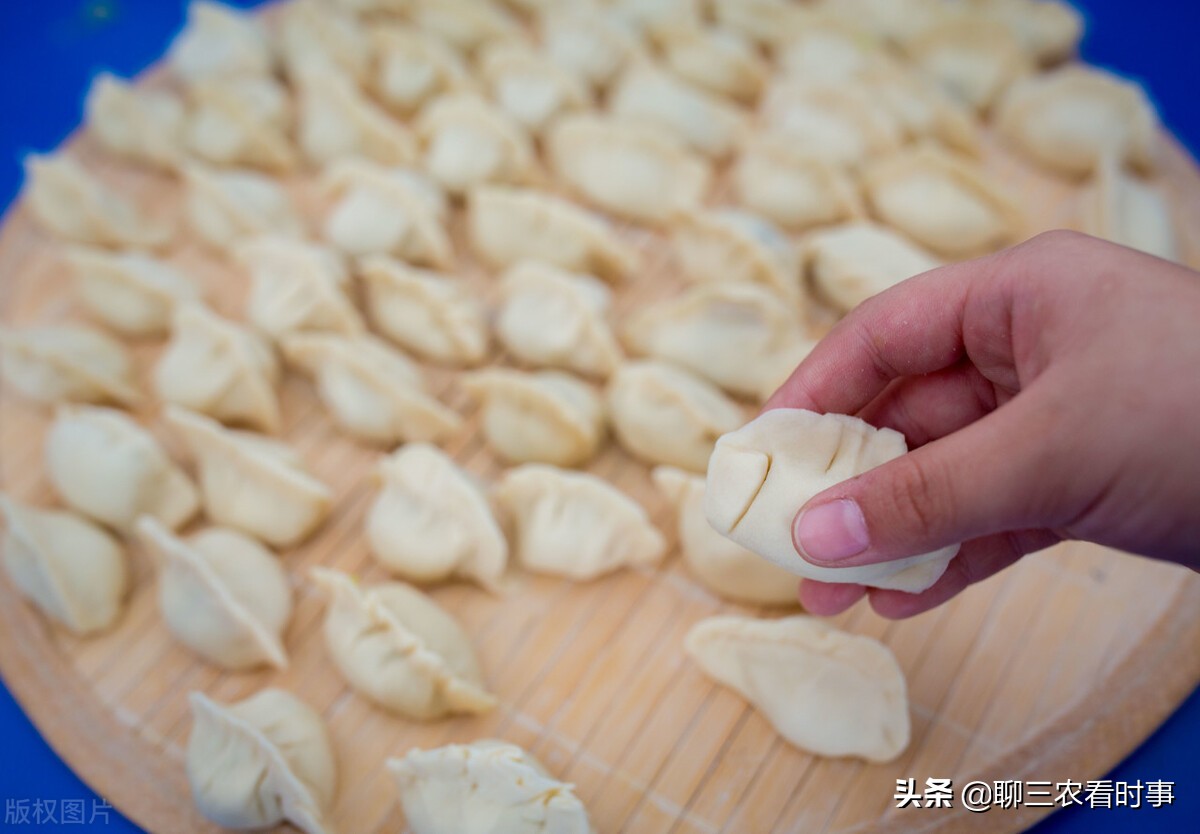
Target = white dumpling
(973,59)
(1129,211)
(824,690)
(727,569)
(262,761)
(469,142)
(545,416)
(464,24)
(1049,30)
(663,414)
(140,125)
(221,594)
(850,263)
(107,467)
(431,521)
(315,39)
(75,206)
(436,316)
(839,123)
(486,787)
(828,49)
(338,121)
(764,21)
(730,245)
(923,110)
(651,17)
(716,60)
(760,475)
(242,121)
(372,390)
(549,317)
(226,207)
(410,68)
(132,292)
(702,121)
(67,363)
(586,41)
(71,569)
(394,645)
(220,368)
(896,21)
(297,287)
(529,86)
(792,187)
(250,482)
(778,368)
(219,40)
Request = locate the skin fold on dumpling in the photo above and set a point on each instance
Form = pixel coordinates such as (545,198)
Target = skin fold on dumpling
(243,121)
(850,263)
(824,690)
(841,124)
(410,68)
(227,207)
(729,245)
(337,121)
(1129,211)
(71,569)
(716,60)
(66,363)
(923,110)
(431,521)
(574,524)
(760,475)
(297,287)
(974,60)
(468,142)
(317,38)
(219,40)
(261,761)
(143,126)
(394,645)
(587,41)
(828,49)
(791,187)
(131,292)
(250,482)
(529,86)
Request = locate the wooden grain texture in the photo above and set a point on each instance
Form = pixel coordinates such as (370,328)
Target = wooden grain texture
(1054,669)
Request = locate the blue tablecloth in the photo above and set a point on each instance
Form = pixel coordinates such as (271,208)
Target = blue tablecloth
(50,48)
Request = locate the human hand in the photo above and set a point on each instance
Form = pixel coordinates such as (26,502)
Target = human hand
(1050,391)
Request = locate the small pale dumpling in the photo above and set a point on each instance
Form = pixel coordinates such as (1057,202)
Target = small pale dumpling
(297,287)
(828,49)
(141,125)
(219,40)
(67,363)
(779,367)
(550,317)
(727,569)
(226,207)
(316,38)
(410,68)
(730,245)
(464,24)
(220,368)
(509,225)
(242,121)
(71,569)
(107,467)
(896,21)
(260,762)
(574,524)
(431,521)
(792,187)
(436,316)
(372,390)
(469,142)
(486,787)
(944,202)
(764,21)
(923,110)
(386,211)
(839,123)
(973,59)
(1049,30)
(652,17)
(848,264)
(221,594)
(824,690)
(529,86)
(664,414)
(338,121)
(704,122)
(636,171)
(1129,211)
(587,41)
(394,645)
(760,475)
(545,416)
(716,60)
(75,206)
(131,292)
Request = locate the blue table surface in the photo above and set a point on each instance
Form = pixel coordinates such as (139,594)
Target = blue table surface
(49,49)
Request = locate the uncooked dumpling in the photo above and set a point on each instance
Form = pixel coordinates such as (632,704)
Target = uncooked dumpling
(412,68)
(141,125)
(338,121)
(702,121)
(71,569)
(973,59)
(826,691)
(588,41)
(664,414)
(486,787)
(219,40)
(922,110)
(849,264)
(716,60)
(226,207)
(729,245)
(1129,211)
(839,123)
(764,21)
(250,482)
(131,292)
(260,762)
(792,187)
(222,594)
(297,287)
(545,416)
(829,50)
(394,645)
(469,142)
(464,24)
(1049,30)
(373,391)
(778,368)
(760,475)
(574,524)
(529,86)
(432,521)
(316,39)
(242,121)
(651,17)
(66,363)
(107,467)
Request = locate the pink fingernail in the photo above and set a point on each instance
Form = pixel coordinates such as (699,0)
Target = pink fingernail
(831,532)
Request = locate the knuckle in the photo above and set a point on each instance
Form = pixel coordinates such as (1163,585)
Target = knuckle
(917,501)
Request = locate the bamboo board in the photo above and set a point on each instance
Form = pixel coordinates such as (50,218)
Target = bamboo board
(1054,669)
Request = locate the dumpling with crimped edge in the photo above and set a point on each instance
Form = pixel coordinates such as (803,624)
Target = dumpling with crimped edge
(850,263)
(828,49)
(464,24)
(731,245)
(973,59)
(529,86)
(825,691)
(1129,211)
(221,594)
(944,202)
(74,205)
(218,40)
(716,60)
(252,483)
(761,474)
(839,123)
(486,787)
(664,414)
(220,368)
(588,41)
(226,207)
(725,568)
(242,121)
(636,171)
(372,390)
(509,225)
(262,761)
(549,317)
(410,68)
(574,524)
(397,647)
(67,363)
(107,467)
(71,569)
(132,292)
(140,125)
(469,142)
(924,111)
(432,521)
(544,416)
(386,211)
(792,187)
(316,38)
(433,315)
(338,121)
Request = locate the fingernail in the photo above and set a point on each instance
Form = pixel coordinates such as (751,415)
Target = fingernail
(831,532)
